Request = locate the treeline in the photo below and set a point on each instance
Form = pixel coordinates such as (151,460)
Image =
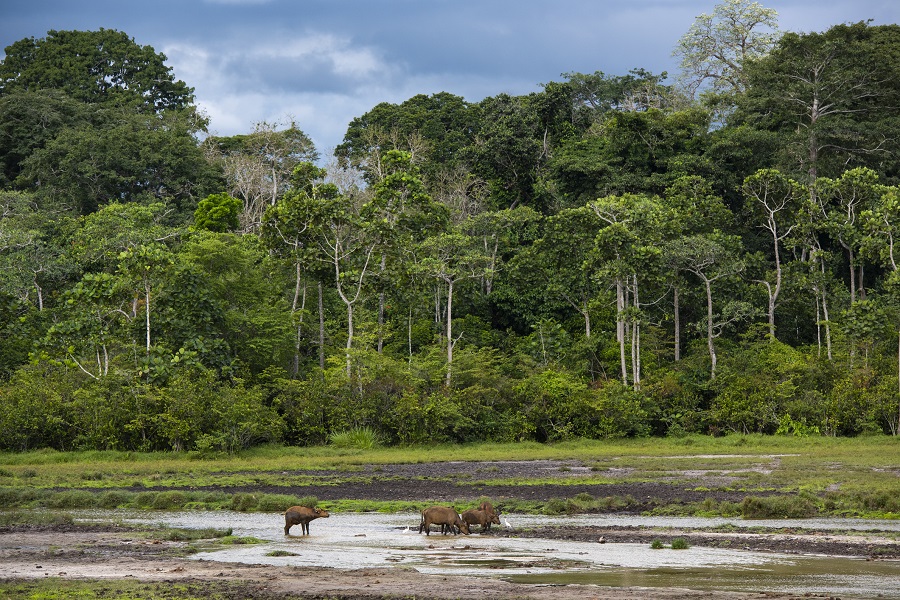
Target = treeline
(611,256)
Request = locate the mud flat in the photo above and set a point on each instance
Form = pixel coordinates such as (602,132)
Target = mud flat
(539,561)
(374,556)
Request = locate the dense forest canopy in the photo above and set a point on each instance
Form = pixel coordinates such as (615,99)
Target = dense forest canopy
(614,255)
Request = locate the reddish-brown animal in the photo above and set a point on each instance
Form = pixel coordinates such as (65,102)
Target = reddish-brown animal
(489,509)
(479,517)
(443,516)
(302,515)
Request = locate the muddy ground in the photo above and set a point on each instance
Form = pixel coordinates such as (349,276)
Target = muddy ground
(462,481)
(110,552)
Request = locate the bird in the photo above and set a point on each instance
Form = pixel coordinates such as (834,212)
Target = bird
(507,523)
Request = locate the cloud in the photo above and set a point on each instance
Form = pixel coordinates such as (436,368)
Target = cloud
(322,81)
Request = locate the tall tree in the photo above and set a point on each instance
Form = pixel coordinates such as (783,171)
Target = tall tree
(597,93)
(833,96)
(291,229)
(401,214)
(452,257)
(842,202)
(625,250)
(433,129)
(696,210)
(258,166)
(773,200)
(122,155)
(31,119)
(712,258)
(96,67)
(718,46)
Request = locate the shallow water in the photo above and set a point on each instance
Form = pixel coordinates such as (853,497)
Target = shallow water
(354,540)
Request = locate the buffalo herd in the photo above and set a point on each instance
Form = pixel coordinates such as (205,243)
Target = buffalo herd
(445,516)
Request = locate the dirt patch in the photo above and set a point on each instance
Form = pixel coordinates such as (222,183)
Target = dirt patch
(105,555)
(873,544)
(110,552)
(467,481)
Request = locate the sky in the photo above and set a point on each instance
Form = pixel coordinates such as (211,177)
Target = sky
(322,63)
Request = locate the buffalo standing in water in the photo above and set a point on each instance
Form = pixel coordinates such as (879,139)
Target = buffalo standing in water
(443,516)
(302,515)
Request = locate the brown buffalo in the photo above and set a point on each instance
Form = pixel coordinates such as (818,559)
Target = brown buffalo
(443,516)
(489,509)
(302,515)
(480,517)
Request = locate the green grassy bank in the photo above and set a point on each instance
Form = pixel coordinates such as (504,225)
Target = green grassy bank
(823,475)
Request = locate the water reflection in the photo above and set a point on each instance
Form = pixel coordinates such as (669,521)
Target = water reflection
(353,540)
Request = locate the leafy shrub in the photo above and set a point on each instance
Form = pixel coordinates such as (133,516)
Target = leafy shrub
(281,553)
(361,438)
(657,545)
(144,499)
(169,500)
(113,499)
(243,502)
(777,507)
(234,540)
(556,506)
(71,499)
(679,544)
(277,502)
(10,518)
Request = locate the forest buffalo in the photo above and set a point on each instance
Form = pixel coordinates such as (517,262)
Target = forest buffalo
(302,515)
(480,517)
(443,516)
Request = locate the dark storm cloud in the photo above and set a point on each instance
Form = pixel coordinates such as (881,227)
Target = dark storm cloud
(325,62)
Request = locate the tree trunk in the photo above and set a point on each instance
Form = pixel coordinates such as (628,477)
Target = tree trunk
(381,308)
(636,341)
(296,365)
(773,294)
(709,328)
(147,314)
(349,335)
(677,318)
(321,329)
(852,275)
(862,285)
(449,331)
(620,328)
(40,296)
(587,321)
(825,311)
(818,324)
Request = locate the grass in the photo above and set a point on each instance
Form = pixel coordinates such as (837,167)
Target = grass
(178,534)
(360,438)
(836,476)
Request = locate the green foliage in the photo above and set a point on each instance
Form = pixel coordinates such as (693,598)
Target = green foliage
(217,212)
(778,507)
(680,544)
(176,534)
(104,67)
(568,265)
(361,438)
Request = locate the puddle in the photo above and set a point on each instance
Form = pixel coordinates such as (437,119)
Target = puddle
(361,540)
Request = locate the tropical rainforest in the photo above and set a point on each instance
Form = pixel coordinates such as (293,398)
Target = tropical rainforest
(615,255)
